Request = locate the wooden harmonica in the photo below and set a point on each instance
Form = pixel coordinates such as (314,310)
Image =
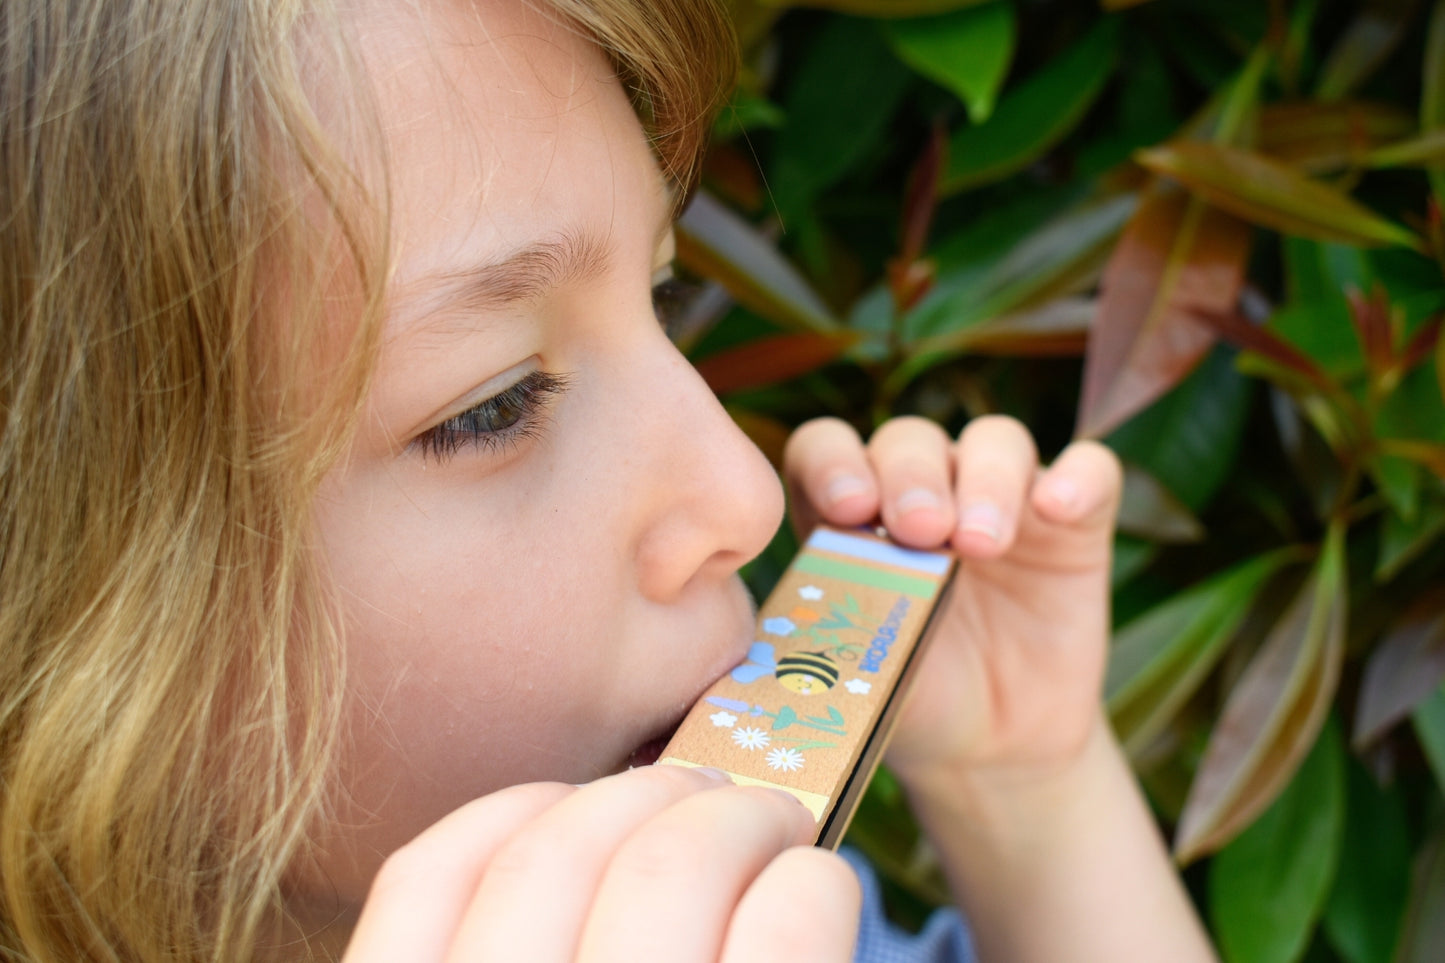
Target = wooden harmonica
(811,708)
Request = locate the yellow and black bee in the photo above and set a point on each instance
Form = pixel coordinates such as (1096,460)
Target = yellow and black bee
(806,673)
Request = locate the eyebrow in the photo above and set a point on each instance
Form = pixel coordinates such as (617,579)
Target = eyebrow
(527,274)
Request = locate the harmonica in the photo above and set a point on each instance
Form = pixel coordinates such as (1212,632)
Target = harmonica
(811,709)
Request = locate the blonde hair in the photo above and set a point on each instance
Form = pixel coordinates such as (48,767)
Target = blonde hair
(171,676)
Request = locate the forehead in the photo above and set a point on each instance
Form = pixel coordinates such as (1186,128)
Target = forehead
(501,126)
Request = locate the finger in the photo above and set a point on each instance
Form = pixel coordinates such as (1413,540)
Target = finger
(673,886)
(997,462)
(913,459)
(828,475)
(1081,487)
(534,899)
(803,908)
(420,894)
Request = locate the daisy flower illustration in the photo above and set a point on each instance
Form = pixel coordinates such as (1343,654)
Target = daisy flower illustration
(788,760)
(751,738)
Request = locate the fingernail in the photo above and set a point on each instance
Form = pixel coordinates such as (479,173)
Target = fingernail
(1063,492)
(917,499)
(983,518)
(712,773)
(843,487)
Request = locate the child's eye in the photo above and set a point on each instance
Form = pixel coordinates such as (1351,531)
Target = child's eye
(504,419)
(670,298)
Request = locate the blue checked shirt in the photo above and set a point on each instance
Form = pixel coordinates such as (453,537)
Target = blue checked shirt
(944,938)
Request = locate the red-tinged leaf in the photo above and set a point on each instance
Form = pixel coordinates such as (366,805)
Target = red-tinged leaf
(768,361)
(1365,44)
(1149,510)
(1422,938)
(1406,666)
(920,199)
(1273,714)
(715,243)
(1316,137)
(1177,257)
(769,434)
(1421,344)
(1426,453)
(1371,318)
(1248,336)
(909,281)
(1266,192)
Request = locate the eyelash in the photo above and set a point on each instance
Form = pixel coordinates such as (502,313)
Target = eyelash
(507,418)
(670,296)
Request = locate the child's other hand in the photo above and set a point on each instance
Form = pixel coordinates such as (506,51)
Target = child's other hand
(1011,683)
(660,863)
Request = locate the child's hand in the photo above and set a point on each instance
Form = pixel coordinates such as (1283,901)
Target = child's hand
(1012,679)
(660,863)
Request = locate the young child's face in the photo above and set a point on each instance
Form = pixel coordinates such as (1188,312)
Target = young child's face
(537,589)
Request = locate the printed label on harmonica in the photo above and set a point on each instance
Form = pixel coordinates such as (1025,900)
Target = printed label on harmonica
(810,709)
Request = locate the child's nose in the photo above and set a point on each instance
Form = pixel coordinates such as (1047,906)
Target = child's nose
(714,502)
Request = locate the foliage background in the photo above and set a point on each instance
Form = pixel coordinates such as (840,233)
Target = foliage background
(1208,232)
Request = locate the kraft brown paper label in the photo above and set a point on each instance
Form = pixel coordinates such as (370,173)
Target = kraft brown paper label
(810,706)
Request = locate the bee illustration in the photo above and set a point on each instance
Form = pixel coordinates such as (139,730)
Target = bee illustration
(806,673)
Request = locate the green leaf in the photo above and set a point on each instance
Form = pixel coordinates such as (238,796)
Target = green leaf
(1190,438)
(1268,886)
(842,97)
(1367,903)
(714,242)
(1265,192)
(967,51)
(1401,541)
(1159,659)
(1273,713)
(1034,116)
(1150,510)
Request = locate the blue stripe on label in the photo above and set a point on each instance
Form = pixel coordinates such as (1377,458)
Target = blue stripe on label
(875,551)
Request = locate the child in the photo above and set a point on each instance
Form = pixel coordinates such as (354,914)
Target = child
(361,527)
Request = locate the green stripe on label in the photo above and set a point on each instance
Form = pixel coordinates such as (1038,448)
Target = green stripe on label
(922,588)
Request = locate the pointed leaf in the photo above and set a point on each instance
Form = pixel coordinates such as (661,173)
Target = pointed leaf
(1427,150)
(1367,903)
(1365,44)
(1036,114)
(768,361)
(1158,660)
(1177,257)
(1428,454)
(1407,665)
(967,51)
(1265,192)
(1063,256)
(1401,541)
(1268,886)
(1272,195)
(1422,939)
(1273,714)
(714,242)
